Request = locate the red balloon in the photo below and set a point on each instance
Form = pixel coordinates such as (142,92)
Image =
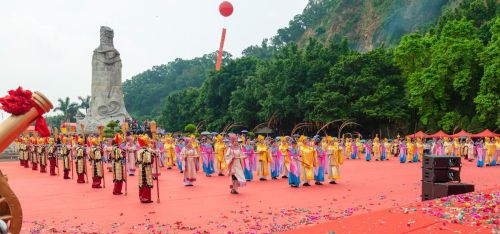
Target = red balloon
(226,9)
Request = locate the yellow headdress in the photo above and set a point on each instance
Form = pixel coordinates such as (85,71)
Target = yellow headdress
(302,138)
(260,137)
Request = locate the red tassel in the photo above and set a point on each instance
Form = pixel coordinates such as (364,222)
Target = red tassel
(41,127)
(18,102)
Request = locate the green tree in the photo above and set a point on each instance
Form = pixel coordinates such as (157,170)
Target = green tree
(84,103)
(68,108)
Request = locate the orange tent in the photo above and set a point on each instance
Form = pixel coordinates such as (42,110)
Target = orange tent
(418,134)
(485,133)
(462,134)
(439,134)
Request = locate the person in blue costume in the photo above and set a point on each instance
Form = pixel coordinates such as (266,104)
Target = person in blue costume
(294,173)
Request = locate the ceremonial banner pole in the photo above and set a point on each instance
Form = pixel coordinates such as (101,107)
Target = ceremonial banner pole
(84,158)
(124,131)
(101,128)
(153,132)
(56,136)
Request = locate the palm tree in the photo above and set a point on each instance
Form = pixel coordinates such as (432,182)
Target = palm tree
(68,108)
(84,103)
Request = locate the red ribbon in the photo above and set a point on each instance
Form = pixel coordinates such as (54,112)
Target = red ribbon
(19,102)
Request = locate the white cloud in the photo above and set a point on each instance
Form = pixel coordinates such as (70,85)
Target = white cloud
(47,44)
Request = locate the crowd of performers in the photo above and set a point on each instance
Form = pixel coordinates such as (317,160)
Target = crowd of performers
(299,159)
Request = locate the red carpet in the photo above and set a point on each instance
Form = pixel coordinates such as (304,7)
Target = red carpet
(365,192)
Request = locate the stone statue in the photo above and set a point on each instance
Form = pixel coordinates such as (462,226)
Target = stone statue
(106,101)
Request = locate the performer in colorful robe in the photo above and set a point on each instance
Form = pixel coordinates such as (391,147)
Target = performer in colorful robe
(354,149)
(497,151)
(377,149)
(65,151)
(448,146)
(307,155)
(456,147)
(96,153)
(131,149)
(283,148)
(170,152)
(320,168)
(402,152)
(81,155)
(42,154)
(118,159)
(52,156)
(468,149)
(107,151)
(250,162)
(368,150)
(481,153)
(234,157)
(419,150)
(386,147)
(23,152)
(395,147)
(263,158)
(189,156)
(207,154)
(334,160)
(410,150)
(145,163)
(294,172)
(219,148)
(276,160)
(178,149)
(490,151)
(349,149)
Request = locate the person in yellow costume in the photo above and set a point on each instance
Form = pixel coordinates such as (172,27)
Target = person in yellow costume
(377,149)
(456,147)
(169,152)
(497,152)
(448,146)
(309,160)
(420,149)
(386,151)
(359,148)
(220,148)
(348,148)
(335,159)
(283,148)
(263,158)
(411,155)
(490,151)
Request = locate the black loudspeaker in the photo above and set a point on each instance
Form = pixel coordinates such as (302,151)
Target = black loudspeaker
(437,190)
(440,175)
(435,162)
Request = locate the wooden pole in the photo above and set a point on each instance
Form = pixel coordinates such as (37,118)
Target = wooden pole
(153,131)
(124,131)
(84,158)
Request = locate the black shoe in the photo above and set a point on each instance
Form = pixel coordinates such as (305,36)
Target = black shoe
(306,184)
(318,183)
(209,175)
(130,174)
(284,177)
(274,178)
(333,182)
(233,191)
(294,186)
(147,201)
(182,171)
(220,174)
(262,179)
(169,168)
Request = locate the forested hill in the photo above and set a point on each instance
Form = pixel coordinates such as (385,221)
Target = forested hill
(144,93)
(367,24)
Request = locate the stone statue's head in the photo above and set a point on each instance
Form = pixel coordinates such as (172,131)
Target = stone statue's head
(106,36)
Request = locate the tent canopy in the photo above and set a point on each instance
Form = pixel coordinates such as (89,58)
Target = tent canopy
(439,134)
(485,133)
(462,133)
(418,134)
